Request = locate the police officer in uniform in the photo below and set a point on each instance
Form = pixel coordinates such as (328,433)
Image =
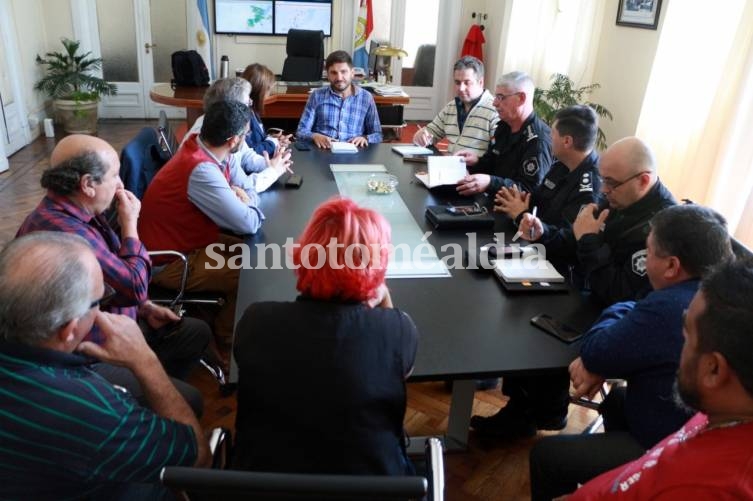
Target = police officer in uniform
(571,183)
(520,152)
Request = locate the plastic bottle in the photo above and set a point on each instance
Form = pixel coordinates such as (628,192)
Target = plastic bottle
(224,67)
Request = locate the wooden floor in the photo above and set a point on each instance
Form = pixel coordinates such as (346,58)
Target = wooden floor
(487,471)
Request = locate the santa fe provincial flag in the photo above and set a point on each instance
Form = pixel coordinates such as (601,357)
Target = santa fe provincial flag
(364,27)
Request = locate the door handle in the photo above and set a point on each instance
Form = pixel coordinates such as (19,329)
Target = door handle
(148,46)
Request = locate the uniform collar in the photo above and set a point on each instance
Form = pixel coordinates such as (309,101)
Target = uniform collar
(649,201)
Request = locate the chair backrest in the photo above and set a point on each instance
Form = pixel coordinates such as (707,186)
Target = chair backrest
(140,160)
(424,66)
(230,484)
(305,51)
(167,140)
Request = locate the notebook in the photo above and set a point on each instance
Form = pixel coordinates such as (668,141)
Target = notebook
(343,147)
(442,171)
(411,149)
(527,269)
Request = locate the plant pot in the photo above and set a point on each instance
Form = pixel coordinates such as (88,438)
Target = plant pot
(77,117)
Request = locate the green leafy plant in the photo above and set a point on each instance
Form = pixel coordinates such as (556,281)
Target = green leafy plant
(562,94)
(69,75)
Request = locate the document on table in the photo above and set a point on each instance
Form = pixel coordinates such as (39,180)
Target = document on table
(443,170)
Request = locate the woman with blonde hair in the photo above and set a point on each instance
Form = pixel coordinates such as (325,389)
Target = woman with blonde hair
(321,385)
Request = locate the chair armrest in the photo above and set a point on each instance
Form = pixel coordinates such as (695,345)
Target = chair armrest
(435,464)
(219,446)
(184,274)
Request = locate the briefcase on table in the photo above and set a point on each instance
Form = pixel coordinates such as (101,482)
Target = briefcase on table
(459,217)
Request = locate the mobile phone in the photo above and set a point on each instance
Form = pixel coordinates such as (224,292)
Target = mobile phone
(301,146)
(274,131)
(294,181)
(560,330)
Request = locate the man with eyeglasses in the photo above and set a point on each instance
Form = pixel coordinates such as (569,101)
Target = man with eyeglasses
(520,152)
(67,432)
(81,183)
(196,195)
(469,120)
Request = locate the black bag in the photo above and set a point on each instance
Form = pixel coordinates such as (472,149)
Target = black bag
(189,69)
(445,217)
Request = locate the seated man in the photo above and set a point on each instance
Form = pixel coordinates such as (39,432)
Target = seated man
(262,170)
(520,153)
(81,184)
(571,183)
(641,343)
(200,191)
(342,111)
(469,120)
(710,457)
(67,432)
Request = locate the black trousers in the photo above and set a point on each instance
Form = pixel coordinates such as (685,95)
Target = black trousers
(538,397)
(559,463)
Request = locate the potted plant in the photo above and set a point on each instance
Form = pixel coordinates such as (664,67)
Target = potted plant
(562,94)
(75,91)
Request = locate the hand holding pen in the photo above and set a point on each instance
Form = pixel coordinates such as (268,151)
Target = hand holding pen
(530,225)
(423,137)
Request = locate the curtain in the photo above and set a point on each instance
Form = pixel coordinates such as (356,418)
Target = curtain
(697,113)
(553,36)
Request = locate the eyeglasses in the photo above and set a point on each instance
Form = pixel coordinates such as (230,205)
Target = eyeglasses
(502,97)
(612,185)
(106,297)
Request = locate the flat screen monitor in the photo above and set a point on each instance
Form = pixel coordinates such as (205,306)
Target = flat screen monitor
(271,17)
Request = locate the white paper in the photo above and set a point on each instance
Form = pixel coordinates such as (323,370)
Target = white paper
(528,269)
(443,170)
(343,147)
(410,149)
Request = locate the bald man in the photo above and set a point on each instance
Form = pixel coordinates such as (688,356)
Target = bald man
(81,184)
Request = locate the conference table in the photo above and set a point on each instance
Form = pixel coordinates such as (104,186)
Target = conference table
(285,101)
(469,326)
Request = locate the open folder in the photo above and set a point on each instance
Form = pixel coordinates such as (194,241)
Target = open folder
(527,269)
(442,171)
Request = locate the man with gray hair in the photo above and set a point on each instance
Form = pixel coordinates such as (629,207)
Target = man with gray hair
(262,170)
(520,153)
(469,120)
(67,432)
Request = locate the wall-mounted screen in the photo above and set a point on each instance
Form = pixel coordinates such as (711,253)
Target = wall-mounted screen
(271,17)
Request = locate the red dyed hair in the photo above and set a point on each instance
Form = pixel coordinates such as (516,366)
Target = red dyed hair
(342,220)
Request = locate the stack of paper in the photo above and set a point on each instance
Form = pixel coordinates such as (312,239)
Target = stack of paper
(411,149)
(388,90)
(527,269)
(443,170)
(343,147)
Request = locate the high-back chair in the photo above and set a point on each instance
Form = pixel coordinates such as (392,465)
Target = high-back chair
(305,61)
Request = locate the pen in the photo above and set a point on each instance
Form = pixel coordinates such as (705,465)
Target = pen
(535,209)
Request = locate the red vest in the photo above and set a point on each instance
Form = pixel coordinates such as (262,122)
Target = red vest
(169,220)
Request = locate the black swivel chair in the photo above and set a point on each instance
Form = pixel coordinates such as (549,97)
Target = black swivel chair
(424,66)
(305,60)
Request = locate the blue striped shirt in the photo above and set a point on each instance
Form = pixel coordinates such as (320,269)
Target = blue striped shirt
(66,433)
(341,119)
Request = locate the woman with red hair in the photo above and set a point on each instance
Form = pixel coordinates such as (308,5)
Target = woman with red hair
(321,384)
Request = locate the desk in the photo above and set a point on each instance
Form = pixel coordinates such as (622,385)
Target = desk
(284,102)
(469,326)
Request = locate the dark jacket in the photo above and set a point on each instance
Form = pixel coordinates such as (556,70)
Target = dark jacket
(257,139)
(522,158)
(614,261)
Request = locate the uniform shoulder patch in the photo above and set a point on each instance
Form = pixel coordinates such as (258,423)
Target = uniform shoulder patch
(530,135)
(638,262)
(531,166)
(586,184)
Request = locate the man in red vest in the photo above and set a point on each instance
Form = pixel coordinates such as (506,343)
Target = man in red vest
(199,193)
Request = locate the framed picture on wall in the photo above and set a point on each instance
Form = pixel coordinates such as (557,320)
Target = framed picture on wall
(639,13)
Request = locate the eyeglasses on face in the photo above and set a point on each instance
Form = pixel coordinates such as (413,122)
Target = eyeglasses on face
(105,299)
(502,97)
(613,184)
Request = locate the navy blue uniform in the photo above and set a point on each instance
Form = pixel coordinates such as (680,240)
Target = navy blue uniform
(522,158)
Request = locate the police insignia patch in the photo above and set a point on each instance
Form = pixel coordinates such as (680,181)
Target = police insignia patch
(639,262)
(530,134)
(531,166)
(550,185)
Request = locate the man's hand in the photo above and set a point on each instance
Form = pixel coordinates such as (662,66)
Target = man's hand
(157,316)
(528,222)
(321,141)
(123,345)
(128,213)
(469,157)
(474,183)
(382,298)
(586,222)
(423,137)
(584,383)
(241,194)
(359,141)
(281,161)
(511,201)
(283,141)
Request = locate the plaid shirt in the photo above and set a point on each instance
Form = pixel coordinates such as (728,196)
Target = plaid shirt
(126,266)
(341,119)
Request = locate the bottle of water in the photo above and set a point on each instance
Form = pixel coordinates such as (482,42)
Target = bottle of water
(224,67)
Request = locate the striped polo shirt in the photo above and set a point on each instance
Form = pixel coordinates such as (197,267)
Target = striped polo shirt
(66,433)
(478,129)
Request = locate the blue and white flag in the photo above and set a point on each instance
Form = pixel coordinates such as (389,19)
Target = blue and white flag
(199,35)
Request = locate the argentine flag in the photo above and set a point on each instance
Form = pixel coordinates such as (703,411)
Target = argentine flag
(364,27)
(199,38)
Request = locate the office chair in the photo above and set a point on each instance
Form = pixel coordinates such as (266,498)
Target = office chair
(424,66)
(305,56)
(233,484)
(167,140)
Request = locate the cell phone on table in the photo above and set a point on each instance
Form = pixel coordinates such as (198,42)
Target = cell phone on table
(294,181)
(560,330)
(301,146)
